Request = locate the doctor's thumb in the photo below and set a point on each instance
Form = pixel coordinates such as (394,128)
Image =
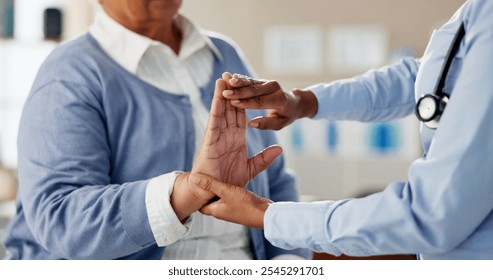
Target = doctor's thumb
(210,184)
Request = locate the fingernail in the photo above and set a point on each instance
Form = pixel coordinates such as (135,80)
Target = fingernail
(253,125)
(233,81)
(228,92)
(236,101)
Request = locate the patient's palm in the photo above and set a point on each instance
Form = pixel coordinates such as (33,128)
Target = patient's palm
(225,148)
(224,152)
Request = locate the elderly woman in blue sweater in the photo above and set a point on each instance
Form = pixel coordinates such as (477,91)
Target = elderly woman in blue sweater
(109,135)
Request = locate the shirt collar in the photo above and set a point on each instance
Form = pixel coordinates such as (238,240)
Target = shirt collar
(194,38)
(127,47)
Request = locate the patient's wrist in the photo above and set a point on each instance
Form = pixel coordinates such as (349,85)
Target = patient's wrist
(183,199)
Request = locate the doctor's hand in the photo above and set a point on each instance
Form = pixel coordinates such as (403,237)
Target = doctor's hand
(283,107)
(223,155)
(236,204)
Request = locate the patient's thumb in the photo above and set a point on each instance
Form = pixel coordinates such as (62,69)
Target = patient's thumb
(264,159)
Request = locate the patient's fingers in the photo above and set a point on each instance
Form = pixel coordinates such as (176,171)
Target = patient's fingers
(227,76)
(235,117)
(218,103)
(216,120)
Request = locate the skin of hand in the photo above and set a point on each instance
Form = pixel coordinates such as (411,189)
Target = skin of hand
(236,204)
(283,107)
(223,155)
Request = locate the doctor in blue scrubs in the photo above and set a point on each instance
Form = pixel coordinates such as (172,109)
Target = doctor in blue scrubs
(444,210)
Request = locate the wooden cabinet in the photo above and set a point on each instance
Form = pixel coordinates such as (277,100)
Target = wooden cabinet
(323,256)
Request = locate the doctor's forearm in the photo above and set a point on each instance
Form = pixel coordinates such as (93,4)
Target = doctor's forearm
(378,95)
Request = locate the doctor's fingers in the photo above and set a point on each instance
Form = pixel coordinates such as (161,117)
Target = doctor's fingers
(276,101)
(251,91)
(240,206)
(212,185)
(271,122)
(238,80)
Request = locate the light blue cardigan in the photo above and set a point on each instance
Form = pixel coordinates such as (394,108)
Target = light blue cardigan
(91,137)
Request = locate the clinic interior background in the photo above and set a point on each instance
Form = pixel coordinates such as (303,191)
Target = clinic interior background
(298,43)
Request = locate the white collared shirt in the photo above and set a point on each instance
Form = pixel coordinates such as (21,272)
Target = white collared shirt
(202,237)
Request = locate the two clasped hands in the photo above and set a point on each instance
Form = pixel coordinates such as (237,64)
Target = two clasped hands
(222,169)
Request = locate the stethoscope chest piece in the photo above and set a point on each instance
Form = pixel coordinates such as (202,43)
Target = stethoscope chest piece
(429,109)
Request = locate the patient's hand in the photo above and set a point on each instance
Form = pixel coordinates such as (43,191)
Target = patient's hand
(223,155)
(224,152)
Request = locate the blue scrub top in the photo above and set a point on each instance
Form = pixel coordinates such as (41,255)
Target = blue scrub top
(444,210)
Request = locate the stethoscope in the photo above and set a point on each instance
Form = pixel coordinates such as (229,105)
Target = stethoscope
(430,107)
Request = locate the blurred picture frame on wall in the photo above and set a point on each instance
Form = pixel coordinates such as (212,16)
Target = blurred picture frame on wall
(52,24)
(6,18)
